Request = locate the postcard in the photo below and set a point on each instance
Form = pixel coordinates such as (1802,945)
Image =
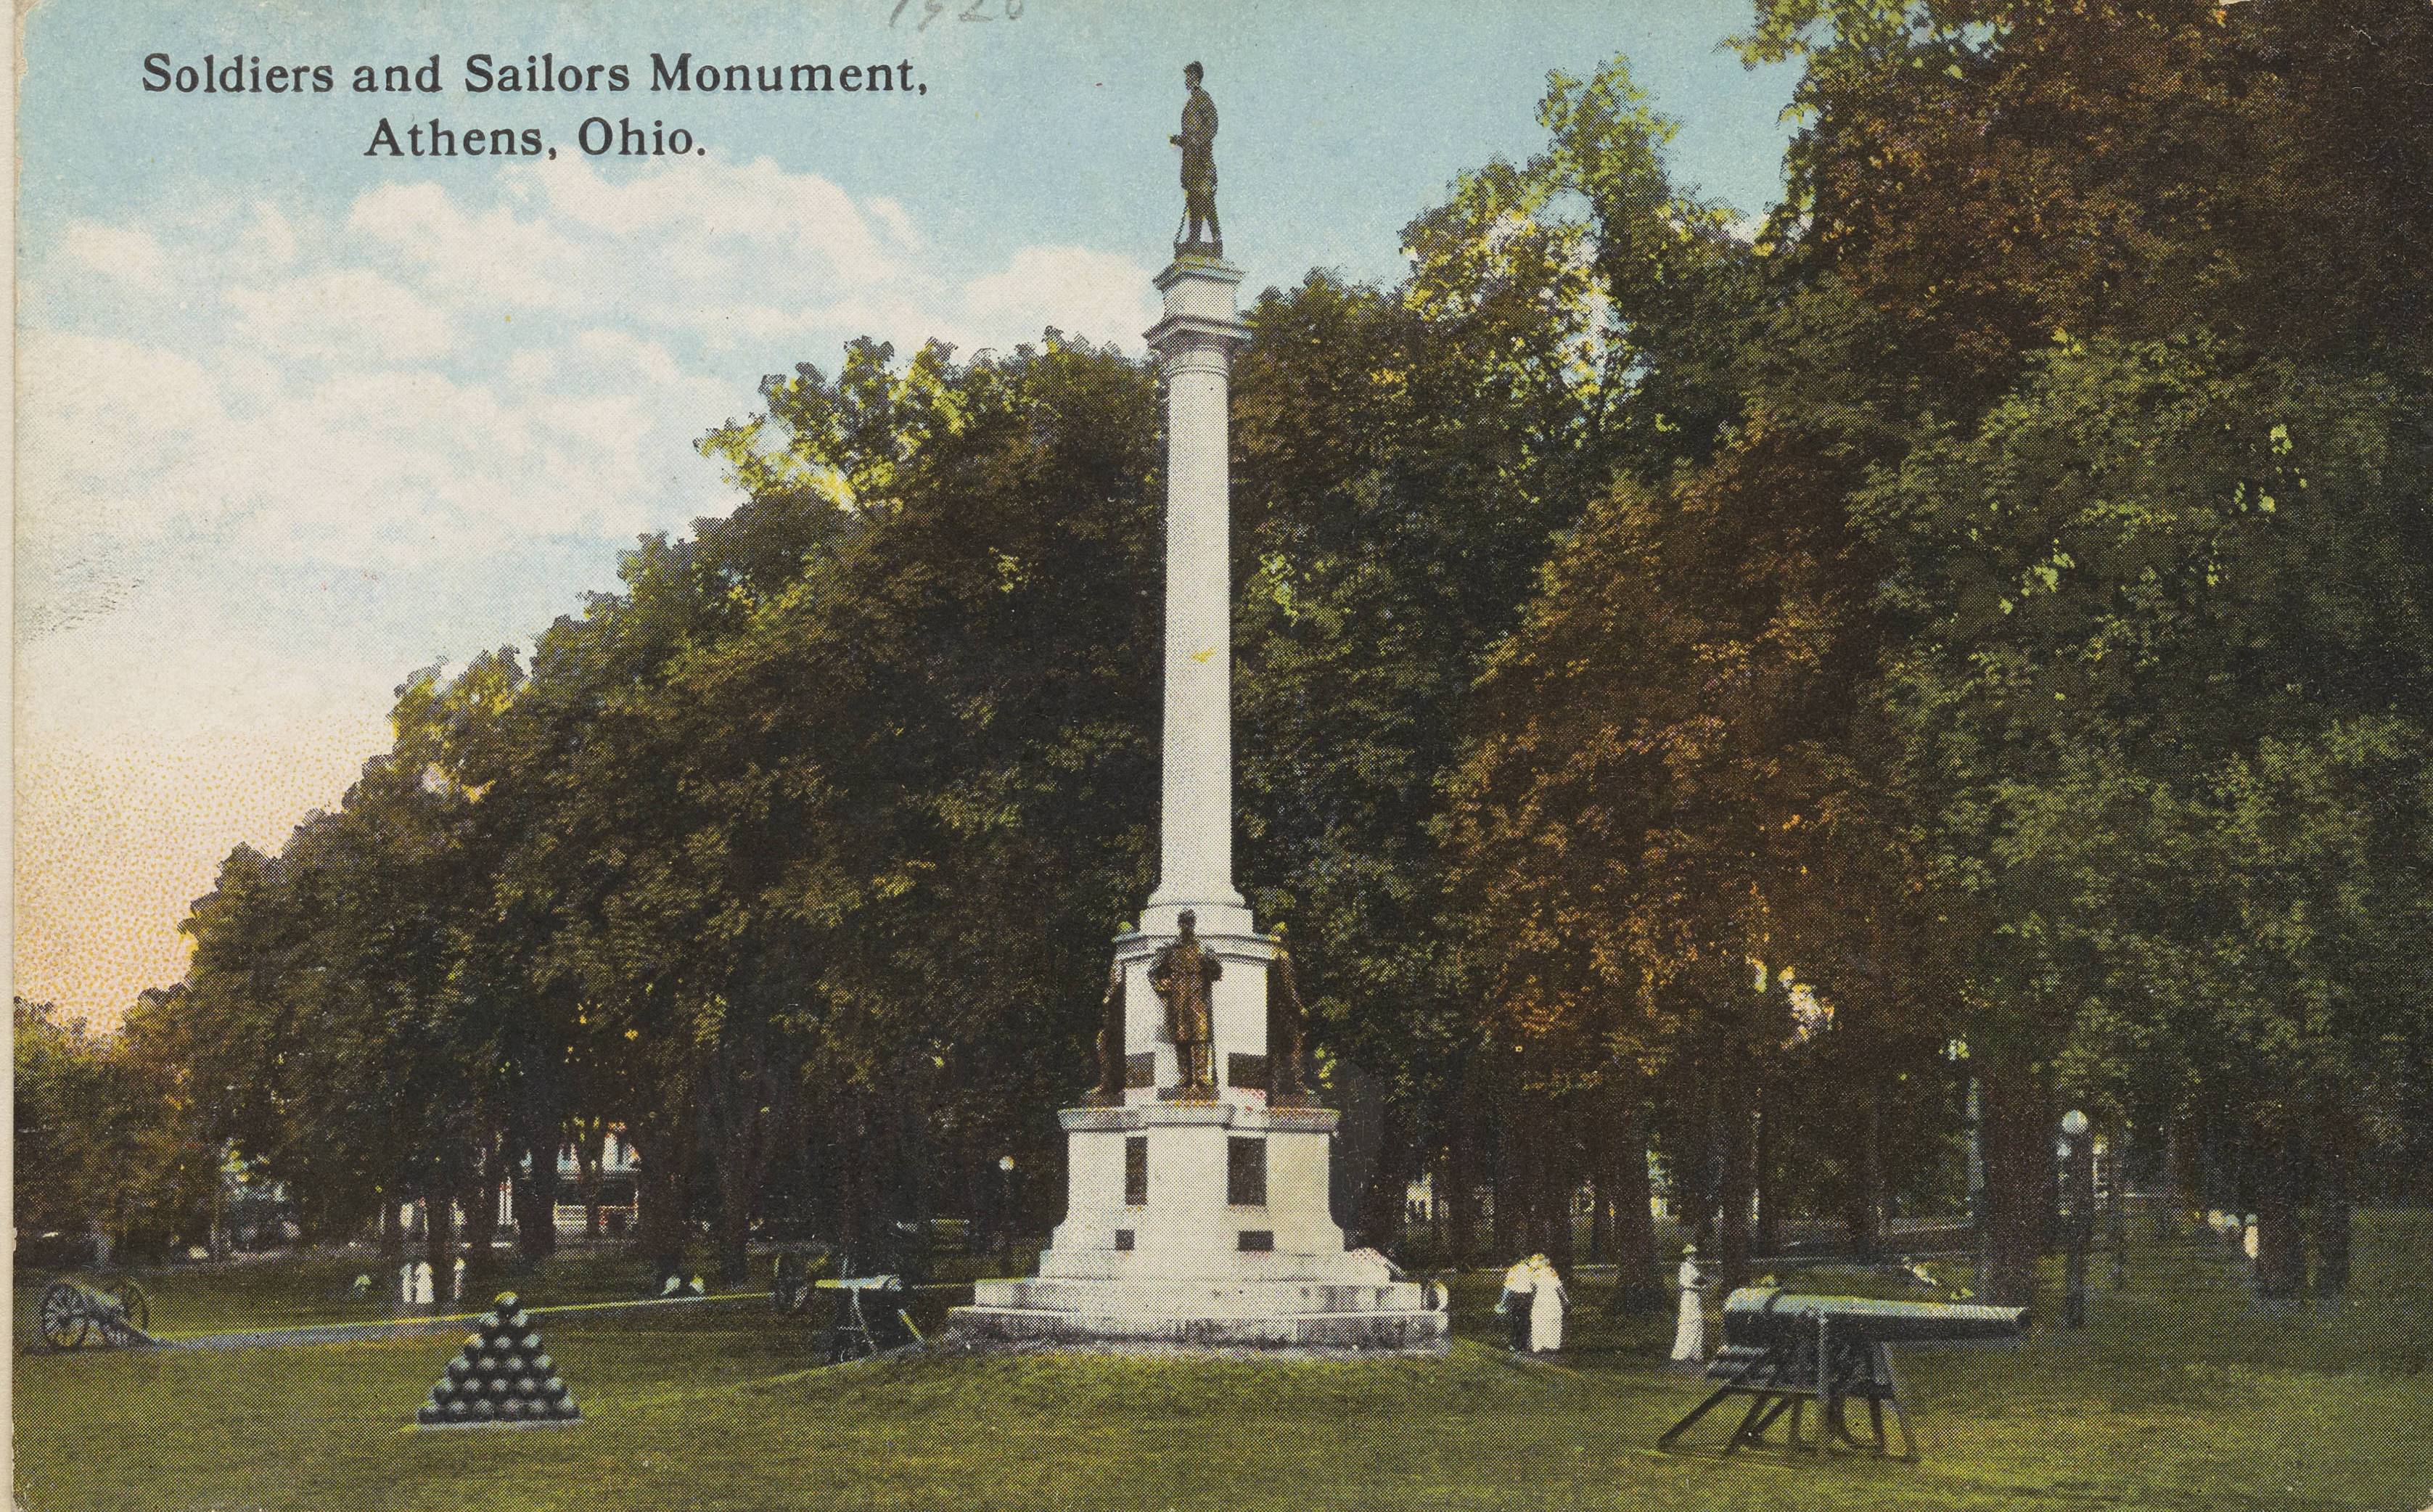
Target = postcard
(1142,755)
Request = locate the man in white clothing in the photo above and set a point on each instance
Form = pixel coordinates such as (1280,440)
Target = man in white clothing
(1520,1290)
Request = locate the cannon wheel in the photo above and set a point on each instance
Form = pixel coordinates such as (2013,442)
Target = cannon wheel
(65,1322)
(135,1305)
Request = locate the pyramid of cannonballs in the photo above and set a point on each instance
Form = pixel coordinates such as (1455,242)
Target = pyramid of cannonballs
(501,1378)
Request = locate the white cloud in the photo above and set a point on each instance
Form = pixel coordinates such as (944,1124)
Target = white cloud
(893,215)
(104,422)
(1103,295)
(353,313)
(269,238)
(491,258)
(120,252)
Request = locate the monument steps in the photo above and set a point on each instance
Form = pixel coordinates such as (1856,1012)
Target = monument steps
(1193,1298)
(1415,1331)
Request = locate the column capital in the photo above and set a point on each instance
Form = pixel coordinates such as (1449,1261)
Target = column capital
(1185,341)
(1199,318)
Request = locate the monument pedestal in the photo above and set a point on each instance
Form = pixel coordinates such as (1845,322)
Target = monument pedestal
(1202,1220)
(1188,1264)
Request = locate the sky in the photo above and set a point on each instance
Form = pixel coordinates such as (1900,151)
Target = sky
(297,417)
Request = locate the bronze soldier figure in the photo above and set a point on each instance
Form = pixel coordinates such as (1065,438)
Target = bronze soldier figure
(1198,141)
(1109,1092)
(1288,1069)
(1183,975)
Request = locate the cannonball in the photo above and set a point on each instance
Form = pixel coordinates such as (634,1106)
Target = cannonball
(459,1410)
(530,1343)
(507,1301)
(458,1366)
(527,1387)
(540,1363)
(484,1412)
(473,1343)
(430,1415)
(511,1409)
(553,1387)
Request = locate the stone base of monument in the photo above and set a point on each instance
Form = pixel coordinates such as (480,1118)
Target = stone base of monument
(1202,1224)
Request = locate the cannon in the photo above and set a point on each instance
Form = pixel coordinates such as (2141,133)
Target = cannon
(75,1312)
(1783,1350)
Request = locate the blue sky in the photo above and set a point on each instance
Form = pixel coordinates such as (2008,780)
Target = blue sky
(295,421)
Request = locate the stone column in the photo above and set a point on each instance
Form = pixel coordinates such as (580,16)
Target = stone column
(1195,343)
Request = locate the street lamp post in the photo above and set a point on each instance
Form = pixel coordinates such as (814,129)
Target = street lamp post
(2078,1175)
(1005,1210)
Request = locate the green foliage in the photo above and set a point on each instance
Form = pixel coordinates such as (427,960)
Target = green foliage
(104,1140)
(2167,705)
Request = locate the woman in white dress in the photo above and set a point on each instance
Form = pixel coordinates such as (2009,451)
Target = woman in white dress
(1547,1299)
(1690,1330)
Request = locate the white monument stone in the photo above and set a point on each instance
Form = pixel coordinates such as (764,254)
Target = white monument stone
(1201,1219)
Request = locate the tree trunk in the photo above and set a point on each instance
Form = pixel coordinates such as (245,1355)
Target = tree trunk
(1510,1150)
(591,1154)
(1634,1215)
(1601,1188)
(1861,1211)
(2280,1238)
(535,1198)
(852,1185)
(1383,1201)
(1694,1173)
(663,1145)
(439,1237)
(743,1156)
(1737,1181)
(481,1216)
(2183,1175)
(2018,1186)
(1768,1239)
(1559,1187)
(392,1232)
(2329,1231)
(1461,1172)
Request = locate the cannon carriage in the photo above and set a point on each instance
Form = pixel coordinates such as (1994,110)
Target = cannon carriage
(1785,1351)
(73,1314)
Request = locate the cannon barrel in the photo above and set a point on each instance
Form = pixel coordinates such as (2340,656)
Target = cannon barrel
(1765,1315)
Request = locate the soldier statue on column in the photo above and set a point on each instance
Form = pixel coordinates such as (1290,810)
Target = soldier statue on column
(1183,975)
(1198,140)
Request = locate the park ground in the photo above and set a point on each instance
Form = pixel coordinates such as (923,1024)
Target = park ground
(2181,1395)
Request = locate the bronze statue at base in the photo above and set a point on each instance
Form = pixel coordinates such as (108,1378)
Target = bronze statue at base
(1288,1069)
(1183,976)
(1109,1092)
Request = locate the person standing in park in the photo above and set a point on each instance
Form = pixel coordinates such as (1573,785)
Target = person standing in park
(1689,1328)
(1547,1299)
(1514,1307)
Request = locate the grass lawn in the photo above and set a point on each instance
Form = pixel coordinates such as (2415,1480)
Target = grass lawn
(2181,1396)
